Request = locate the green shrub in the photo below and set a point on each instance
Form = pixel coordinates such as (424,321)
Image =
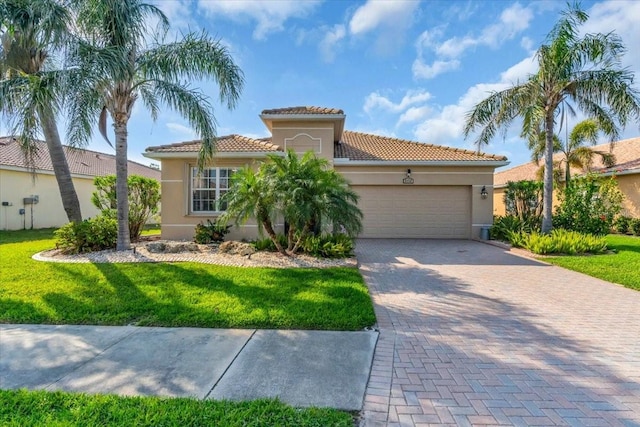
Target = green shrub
(588,205)
(328,245)
(504,226)
(144,196)
(622,224)
(523,199)
(93,234)
(267,244)
(561,241)
(635,226)
(211,232)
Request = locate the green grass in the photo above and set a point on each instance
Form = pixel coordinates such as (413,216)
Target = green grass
(174,294)
(21,408)
(622,267)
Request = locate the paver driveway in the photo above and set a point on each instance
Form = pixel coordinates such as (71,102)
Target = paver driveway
(474,335)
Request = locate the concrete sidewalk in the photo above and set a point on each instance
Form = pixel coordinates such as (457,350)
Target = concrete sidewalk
(302,368)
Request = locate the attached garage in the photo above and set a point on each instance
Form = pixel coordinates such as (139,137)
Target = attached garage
(437,212)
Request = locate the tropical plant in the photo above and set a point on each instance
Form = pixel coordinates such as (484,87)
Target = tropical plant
(115,65)
(634,226)
(589,205)
(211,232)
(144,196)
(31,86)
(311,196)
(523,199)
(302,190)
(560,241)
(573,70)
(251,196)
(574,152)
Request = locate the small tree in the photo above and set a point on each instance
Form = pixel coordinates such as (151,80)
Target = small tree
(523,199)
(589,205)
(144,196)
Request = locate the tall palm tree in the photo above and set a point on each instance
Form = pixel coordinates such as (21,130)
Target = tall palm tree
(584,71)
(115,66)
(574,152)
(30,89)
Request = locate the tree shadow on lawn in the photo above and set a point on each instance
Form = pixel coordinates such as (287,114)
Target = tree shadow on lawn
(166,294)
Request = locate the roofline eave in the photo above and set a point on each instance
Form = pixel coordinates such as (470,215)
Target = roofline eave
(225,155)
(347,162)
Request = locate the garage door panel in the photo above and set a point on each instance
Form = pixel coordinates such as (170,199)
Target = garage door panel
(415,211)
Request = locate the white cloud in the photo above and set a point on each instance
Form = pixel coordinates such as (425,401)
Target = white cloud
(512,21)
(374,14)
(623,18)
(376,101)
(426,71)
(182,131)
(387,20)
(328,44)
(445,127)
(414,114)
(269,16)
(526,43)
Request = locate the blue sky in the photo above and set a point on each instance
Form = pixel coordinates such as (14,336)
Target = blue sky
(409,69)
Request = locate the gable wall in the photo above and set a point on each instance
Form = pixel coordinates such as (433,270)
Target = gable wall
(302,136)
(48,212)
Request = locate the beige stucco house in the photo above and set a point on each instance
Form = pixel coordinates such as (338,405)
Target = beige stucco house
(406,188)
(626,171)
(17,183)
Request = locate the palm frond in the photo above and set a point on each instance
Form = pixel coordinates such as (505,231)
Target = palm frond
(195,57)
(195,107)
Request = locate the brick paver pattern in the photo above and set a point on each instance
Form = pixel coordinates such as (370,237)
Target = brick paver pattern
(471,334)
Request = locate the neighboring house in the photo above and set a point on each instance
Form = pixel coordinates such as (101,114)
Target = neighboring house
(407,189)
(626,171)
(17,183)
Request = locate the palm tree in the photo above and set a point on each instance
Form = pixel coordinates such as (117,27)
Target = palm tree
(574,151)
(115,66)
(584,71)
(30,89)
(310,193)
(251,197)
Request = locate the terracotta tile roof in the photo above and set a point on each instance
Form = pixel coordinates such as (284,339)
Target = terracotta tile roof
(303,110)
(627,154)
(81,162)
(363,146)
(224,144)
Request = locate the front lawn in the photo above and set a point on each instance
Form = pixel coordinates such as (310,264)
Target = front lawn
(174,294)
(622,267)
(22,408)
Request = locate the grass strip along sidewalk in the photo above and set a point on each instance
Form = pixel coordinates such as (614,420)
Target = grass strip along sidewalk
(21,408)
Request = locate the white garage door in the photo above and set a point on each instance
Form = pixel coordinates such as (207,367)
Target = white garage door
(439,212)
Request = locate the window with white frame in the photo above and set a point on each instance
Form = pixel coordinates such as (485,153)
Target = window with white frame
(207,188)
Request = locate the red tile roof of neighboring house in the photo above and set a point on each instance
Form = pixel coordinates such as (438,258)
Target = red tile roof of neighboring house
(224,144)
(367,147)
(81,162)
(627,153)
(303,110)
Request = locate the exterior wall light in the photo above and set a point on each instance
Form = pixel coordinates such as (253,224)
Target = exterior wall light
(483,192)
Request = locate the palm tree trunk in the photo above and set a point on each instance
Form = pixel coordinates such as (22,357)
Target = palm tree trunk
(305,231)
(70,201)
(122,188)
(266,223)
(567,174)
(547,224)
